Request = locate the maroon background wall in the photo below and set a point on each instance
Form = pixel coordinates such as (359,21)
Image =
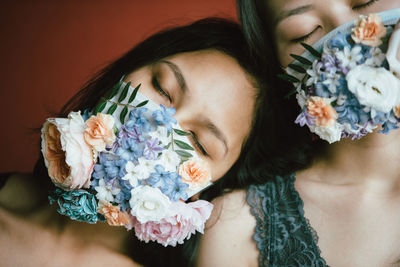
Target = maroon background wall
(48,49)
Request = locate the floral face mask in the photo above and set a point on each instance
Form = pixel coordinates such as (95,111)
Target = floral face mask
(128,163)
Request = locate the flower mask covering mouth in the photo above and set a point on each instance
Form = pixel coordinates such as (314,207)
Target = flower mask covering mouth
(348,84)
(128,163)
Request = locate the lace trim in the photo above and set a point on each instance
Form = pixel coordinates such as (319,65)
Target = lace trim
(283,235)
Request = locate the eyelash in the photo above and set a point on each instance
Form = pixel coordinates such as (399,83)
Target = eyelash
(197,144)
(157,86)
(305,37)
(370,3)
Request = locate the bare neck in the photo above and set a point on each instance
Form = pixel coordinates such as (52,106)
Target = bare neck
(371,161)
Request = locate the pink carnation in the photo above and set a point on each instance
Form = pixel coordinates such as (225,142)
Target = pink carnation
(183,220)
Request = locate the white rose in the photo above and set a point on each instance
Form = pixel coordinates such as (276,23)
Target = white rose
(376,88)
(332,133)
(169,160)
(148,204)
(393,51)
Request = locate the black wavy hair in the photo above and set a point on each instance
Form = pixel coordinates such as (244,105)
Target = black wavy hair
(259,30)
(264,151)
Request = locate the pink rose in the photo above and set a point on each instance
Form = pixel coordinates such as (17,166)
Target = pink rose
(67,156)
(369,30)
(182,221)
(99,131)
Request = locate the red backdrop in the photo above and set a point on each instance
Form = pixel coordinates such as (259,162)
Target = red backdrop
(50,48)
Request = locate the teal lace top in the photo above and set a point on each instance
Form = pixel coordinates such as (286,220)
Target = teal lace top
(283,235)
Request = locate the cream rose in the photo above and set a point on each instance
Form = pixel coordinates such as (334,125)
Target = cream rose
(376,88)
(99,131)
(67,156)
(148,203)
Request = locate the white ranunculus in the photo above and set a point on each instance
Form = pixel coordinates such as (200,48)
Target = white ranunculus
(148,203)
(376,88)
(332,133)
(169,160)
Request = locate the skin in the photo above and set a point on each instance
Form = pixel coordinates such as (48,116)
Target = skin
(312,19)
(351,194)
(216,84)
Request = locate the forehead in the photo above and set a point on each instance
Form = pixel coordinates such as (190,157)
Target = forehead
(219,88)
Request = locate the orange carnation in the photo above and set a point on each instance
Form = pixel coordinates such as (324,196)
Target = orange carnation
(369,30)
(321,109)
(113,215)
(195,172)
(99,131)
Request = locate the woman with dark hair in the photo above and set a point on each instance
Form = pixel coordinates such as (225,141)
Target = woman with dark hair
(342,207)
(204,71)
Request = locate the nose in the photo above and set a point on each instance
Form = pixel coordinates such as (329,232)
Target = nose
(337,13)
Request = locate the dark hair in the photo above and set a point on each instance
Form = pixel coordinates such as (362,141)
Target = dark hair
(260,149)
(259,33)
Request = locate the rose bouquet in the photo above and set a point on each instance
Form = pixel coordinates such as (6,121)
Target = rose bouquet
(130,166)
(348,83)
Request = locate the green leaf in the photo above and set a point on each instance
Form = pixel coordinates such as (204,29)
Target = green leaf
(112,109)
(134,93)
(183,153)
(169,133)
(167,146)
(290,93)
(124,92)
(114,90)
(142,104)
(183,145)
(288,78)
(301,59)
(123,114)
(311,49)
(182,133)
(297,68)
(99,108)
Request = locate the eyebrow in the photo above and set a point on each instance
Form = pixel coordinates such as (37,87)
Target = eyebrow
(217,133)
(178,74)
(297,11)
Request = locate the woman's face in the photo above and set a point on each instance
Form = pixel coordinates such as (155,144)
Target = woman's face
(308,21)
(213,97)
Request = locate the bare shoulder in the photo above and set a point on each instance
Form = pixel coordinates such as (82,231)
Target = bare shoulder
(228,238)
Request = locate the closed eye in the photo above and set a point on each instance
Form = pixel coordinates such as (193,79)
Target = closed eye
(305,37)
(365,5)
(196,142)
(157,86)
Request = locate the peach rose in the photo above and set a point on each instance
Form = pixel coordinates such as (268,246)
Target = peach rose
(369,30)
(195,172)
(99,131)
(321,109)
(113,215)
(68,158)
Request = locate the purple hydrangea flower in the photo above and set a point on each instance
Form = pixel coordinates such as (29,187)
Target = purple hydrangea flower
(151,150)
(305,118)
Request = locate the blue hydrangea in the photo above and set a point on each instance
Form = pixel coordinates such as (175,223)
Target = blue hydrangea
(351,112)
(130,150)
(79,205)
(170,183)
(165,117)
(339,41)
(137,119)
(108,168)
(123,197)
(388,126)
(134,133)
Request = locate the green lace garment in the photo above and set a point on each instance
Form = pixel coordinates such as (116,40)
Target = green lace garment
(283,235)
